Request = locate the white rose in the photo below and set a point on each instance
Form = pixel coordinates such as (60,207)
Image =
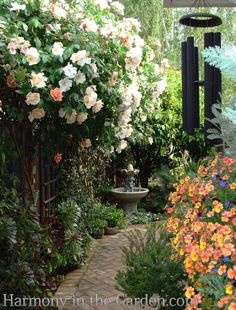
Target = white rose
(16,6)
(150,140)
(12,47)
(57,11)
(117,8)
(62,113)
(165,63)
(82,117)
(97,107)
(65,84)
(32,56)
(80,78)
(24,47)
(89,25)
(57,49)
(133,58)
(70,71)
(38,80)
(71,118)
(122,145)
(81,58)
(101,4)
(32,98)
(89,101)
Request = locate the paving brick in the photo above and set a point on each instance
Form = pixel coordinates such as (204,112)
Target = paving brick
(96,278)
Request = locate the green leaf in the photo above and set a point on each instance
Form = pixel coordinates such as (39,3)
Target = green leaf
(35,22)
(25,27)
(38,43)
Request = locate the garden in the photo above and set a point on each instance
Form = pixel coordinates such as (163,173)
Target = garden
(111,187)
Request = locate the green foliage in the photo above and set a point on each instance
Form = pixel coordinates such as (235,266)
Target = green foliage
(150,269)
(142,217)
(224,120)
(71,249)
(163,125)
(114,217)
(23,245)
(164,178)
(95,219)
(222,58)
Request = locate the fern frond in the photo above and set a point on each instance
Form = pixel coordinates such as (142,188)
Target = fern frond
(223,59)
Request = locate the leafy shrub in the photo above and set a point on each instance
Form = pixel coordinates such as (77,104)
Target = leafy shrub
(142,217)
(72,248)
(150,268)
(23,245)
(114,217)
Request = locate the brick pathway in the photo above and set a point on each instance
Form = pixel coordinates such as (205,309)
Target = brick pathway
(93,286)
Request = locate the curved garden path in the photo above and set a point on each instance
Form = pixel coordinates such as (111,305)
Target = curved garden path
(93,285)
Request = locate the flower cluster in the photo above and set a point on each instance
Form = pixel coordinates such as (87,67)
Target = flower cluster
(85,75)
(203,221)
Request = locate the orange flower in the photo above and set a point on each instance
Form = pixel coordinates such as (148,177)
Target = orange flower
(56,94)
(222,270)
(58,158)
(10,80)
(232,306)
(232,273)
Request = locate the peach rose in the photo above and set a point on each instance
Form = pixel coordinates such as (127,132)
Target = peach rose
(10,81)
(86,143)
(56,94)
(37,113)
(58,158)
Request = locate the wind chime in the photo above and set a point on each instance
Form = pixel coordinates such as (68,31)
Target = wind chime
(190,74)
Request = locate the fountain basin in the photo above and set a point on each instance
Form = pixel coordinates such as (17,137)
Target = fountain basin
(129,200)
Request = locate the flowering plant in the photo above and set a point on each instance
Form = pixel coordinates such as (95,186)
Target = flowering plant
(203,221)
(74,64)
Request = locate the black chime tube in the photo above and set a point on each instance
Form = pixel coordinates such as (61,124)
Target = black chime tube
(191,86)
(217,73)
(196,90)
(208,87)
(184,86)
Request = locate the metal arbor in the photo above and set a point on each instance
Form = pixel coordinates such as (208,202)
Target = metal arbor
(190,75)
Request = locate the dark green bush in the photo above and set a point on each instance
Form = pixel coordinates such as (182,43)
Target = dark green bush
(150,269)
(23,245)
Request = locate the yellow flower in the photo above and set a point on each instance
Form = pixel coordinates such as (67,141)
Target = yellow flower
(194,257)
(181,252)
(202,245)
(229,289)
(189,292)
(197,205)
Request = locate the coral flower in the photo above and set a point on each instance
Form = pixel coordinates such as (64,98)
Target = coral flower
(11,83)
(56,94)
(232,273)
(85,143)
(58,158)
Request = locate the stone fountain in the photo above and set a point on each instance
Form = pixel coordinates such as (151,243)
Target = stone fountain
(129,196)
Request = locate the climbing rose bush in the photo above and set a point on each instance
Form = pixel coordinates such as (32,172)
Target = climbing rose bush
(203,221)
(77,63)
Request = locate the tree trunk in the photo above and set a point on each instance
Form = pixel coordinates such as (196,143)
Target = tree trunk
(144,176)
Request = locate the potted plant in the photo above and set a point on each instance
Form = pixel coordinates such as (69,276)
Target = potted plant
(97,228)
(115,219)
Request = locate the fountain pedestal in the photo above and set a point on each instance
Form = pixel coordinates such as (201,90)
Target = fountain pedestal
(129,200)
